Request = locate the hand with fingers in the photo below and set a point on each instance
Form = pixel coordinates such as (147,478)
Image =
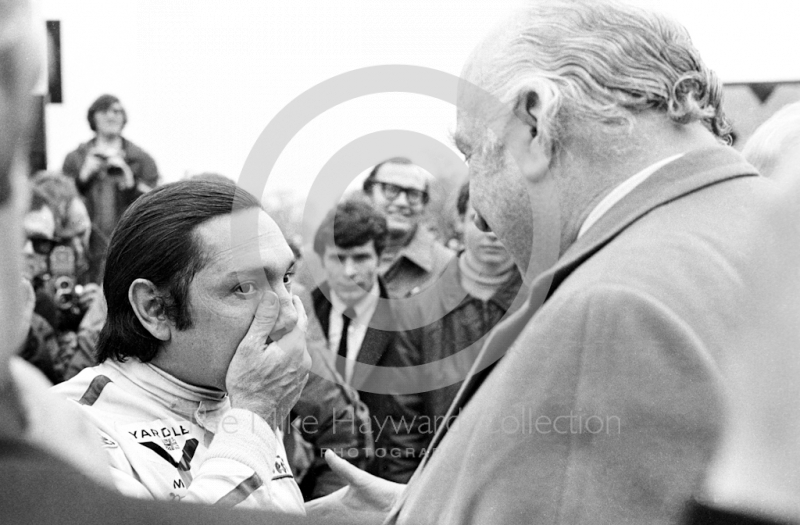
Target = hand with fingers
(270,367)
(90,293)
(92,166)
(366,500)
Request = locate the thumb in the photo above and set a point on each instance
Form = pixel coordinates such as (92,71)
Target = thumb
(346,471)
(265,318)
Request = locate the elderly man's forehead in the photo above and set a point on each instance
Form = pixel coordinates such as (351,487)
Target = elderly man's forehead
(484,67)
(481,114)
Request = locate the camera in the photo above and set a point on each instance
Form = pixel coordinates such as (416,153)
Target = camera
(111,169)
(67,294)
(63,269)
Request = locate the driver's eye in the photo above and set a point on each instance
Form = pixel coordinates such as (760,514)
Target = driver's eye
(246,288)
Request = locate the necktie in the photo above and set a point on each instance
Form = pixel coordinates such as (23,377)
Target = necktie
(347,316)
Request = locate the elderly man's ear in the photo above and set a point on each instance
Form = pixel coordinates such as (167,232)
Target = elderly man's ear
(524,139)
(148,305)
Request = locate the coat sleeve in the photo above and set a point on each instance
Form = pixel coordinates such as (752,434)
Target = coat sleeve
(72,168)
(144,167)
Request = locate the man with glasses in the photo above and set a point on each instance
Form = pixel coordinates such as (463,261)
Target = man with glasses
(412,257)
(39,224)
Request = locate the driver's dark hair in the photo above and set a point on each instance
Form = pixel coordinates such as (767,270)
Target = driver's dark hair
(156,239)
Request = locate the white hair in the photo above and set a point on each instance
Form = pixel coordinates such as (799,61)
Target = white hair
(603,61)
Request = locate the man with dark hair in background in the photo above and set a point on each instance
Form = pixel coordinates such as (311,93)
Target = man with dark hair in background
(203,352)
(349,306)
(412,257)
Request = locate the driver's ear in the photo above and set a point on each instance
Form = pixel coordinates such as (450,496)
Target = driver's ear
(148,305)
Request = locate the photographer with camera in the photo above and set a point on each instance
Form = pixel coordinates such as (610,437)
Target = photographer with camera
(40,347)
(58,226)
(110,173)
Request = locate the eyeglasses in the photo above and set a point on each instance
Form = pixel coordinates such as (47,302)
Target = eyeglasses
(42,245)
(117,110)
(392,191)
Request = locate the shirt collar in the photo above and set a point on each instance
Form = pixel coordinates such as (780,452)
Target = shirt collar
(618,193)
(418,251)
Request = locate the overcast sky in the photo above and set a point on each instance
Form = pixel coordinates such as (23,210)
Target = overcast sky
(201,79)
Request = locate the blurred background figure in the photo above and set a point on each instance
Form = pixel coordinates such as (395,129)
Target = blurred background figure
(39,224)
(774,148)
(413,257)
(57,228)
(73,227)
(755,475)
(109,171)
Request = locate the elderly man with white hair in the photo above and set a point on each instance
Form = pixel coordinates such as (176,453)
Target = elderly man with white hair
(595,137)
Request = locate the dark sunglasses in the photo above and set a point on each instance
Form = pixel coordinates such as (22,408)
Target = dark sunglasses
(42,245)
(392,191)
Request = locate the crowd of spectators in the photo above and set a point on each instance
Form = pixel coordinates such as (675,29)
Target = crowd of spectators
(198,370)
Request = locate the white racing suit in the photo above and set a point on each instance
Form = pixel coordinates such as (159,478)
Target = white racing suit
(170,440)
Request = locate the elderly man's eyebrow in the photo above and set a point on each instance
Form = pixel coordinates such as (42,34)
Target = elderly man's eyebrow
(462,143)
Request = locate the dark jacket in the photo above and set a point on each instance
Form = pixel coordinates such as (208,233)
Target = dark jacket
(144,171)
(41,348)
(104,200)
(460,329)
(377,349)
